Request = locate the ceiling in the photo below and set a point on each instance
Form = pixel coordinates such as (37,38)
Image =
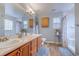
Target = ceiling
(48,8)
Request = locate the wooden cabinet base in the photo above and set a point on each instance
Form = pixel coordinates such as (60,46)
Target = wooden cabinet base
(25,50)
(14,53)
(28,49)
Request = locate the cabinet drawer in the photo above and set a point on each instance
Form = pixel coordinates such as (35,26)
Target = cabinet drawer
(14,53)
(33,47)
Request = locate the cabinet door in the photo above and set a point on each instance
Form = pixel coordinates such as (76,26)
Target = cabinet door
(39,41)
(33,47)
(25,50)
(14,53)
(36,44)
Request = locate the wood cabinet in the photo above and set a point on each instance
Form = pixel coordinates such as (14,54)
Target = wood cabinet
(14,53)
(28,49)
(39,41)
(22,51)
(36,44)
(25,50)
(33,47)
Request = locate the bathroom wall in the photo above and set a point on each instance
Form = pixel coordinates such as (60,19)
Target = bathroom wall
(49,32)
(77,28)
(2,12)
(1,26)
(11,14)
(13,31)
(14,10)
(14,13)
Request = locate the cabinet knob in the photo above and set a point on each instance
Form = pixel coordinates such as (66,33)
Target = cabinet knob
(18,53)
(21,50)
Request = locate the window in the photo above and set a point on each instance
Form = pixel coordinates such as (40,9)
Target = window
(56,23)
(8,24)
(25,24)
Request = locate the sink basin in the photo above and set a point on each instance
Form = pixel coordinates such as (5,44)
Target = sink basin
(9,44)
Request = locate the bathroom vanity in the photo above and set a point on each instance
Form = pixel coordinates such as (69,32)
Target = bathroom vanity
(26,46)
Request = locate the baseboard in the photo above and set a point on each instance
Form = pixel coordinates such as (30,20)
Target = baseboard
(53,42)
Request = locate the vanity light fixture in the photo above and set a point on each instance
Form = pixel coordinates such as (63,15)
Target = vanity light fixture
(30,11)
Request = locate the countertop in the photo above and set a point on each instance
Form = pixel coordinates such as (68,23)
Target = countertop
(20,42)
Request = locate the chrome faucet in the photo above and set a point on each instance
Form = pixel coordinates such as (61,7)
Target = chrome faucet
(3,39)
